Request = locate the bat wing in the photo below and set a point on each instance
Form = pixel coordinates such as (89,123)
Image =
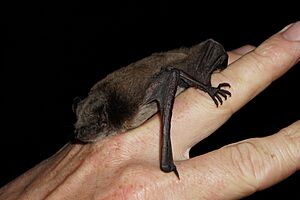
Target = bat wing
(205,58)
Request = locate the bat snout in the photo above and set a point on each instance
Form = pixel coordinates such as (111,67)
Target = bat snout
(86,134)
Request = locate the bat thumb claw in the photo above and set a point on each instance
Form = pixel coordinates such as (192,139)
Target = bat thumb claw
(176,173)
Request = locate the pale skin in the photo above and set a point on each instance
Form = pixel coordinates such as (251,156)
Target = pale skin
(126,166)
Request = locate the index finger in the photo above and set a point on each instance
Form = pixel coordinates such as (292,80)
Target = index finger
(253,72)
(195,116)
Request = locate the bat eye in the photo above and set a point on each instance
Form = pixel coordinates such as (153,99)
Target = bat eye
(103,124)
(103,120)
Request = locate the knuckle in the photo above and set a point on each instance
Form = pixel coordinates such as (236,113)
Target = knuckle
(256,159)
(267,56)
(245,157)
(257,62)
(273,54)
(290,139)
(250,162)
(269,51)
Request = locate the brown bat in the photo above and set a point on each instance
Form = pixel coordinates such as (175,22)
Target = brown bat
(129,96)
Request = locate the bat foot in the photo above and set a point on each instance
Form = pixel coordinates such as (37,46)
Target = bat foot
(217,92)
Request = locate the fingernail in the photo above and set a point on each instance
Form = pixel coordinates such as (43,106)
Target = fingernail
(292,32)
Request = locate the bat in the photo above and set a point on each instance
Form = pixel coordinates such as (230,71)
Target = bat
(126,98)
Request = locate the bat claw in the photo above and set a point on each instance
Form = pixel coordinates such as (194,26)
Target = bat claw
(223,85)
(170,167)
(219,99)
(217,92)
(176,173)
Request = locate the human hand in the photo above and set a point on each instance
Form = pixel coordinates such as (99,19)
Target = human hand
(126,166)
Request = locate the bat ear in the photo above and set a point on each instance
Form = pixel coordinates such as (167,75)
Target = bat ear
(76,101)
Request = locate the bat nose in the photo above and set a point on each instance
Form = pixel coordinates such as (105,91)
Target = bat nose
(80,134)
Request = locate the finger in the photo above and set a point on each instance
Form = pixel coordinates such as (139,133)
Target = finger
(195,116)
(244,49)
(240,169)
(239,52)
(255,71)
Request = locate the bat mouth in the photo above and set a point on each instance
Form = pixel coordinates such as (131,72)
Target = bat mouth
(85,139)
(86,135)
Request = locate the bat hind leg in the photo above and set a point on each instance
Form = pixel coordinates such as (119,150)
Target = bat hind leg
(163,90)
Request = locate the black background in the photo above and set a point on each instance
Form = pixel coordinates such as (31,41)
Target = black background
(56,51)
